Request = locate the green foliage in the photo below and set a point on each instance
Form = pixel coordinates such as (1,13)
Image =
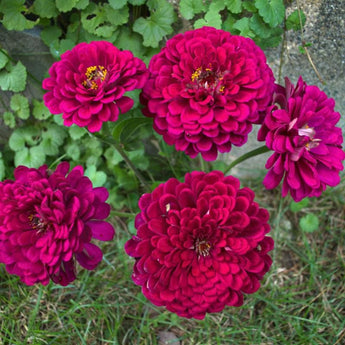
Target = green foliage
(299,206)
(272,11)
(295,20)
(45,8)
(98,178)
(20,105)
(12,76)
(189,8)
(157,25)
(309,223)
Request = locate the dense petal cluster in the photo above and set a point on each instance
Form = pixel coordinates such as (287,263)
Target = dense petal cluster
(88,84)
(47,220)
(300,127)
(200,244)
(206,88)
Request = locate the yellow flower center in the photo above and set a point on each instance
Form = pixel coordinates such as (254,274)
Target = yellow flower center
(95,76)
(207,78)
(202,247)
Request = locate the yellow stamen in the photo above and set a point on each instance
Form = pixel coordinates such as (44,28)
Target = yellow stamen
(196,74)
(94,74)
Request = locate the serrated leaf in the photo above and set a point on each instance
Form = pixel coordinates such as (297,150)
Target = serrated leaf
(13,77)
(271,41)
(73,151)
(189,8)
(102,20)
(24,136)
(128,40)
(98,178)
(50,34)
(272,11)
(157,25)
(40,111)
(112,157)
(52,138)
(3,59)
(260,28)
(125,128)
(45,8)
(309,223)
(243,27)
(117,4)
(234,6)
(212,18)
(12,18)
(32,157)
(9,119)
(20,105)
(76,132)
(298,206)
(295,20)
(65,5)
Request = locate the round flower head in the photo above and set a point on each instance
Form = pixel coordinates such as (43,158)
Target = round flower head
(47,220)
(300,128)
(205,89)
(200,244)
(88,84)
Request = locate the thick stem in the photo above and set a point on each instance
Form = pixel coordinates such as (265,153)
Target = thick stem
(255,152)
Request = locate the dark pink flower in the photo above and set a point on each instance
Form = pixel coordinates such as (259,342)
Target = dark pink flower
(47,220)
(205,89)
(88,84)
(300,128)
(200,244)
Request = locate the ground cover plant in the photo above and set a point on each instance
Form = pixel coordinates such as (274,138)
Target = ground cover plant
(118,159)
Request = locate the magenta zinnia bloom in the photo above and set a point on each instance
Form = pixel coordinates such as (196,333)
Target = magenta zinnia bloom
(88,84)
(200,244)
(300,129)
(47,220)
(206,88)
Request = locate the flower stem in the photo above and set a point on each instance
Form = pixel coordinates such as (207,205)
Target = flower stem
(112,142)
(255,152)
(122,214)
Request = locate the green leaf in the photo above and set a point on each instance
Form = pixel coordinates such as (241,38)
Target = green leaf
(82,4)
(309,223)
(298,206)
(242,26)
(45,8)
(295,20)
(272,11)
(234,6)
(249,6)
(52,138)
(12,18)
(139,159)
(271,41)
(3,59)
(212,18)
(128,40)
(137,2)
(50,34)
(65,5)
(76,132)
(2,168)
(112,157)
(24,136)
(126,128)
(158,25)
(9,119)
(102,20)
(13,77)
(126,179)
(189,8)
(32,157)
(117,4)
(73,151)
(20,105)
(260,28)
(98,178)
(40,111)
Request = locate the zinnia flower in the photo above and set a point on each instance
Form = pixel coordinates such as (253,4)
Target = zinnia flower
(205,89)
(200,244)
(300,129)
(47,220)
(88,84)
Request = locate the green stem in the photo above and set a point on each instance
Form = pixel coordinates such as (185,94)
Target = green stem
(110,141)
(255,152)
(122,214)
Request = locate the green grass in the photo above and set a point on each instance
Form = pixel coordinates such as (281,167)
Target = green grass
(301,301)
